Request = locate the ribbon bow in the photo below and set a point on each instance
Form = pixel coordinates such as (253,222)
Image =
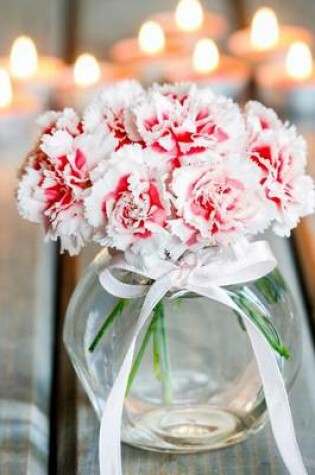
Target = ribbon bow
(206,273)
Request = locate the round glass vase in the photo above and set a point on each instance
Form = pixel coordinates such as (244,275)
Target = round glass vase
(194,384)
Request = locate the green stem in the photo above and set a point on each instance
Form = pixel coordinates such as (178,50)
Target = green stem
(156,350)
(158,331)
(167,381)
(271,286)
(178,303)
(267,289)
(240,320)
(137,361)
(117,310)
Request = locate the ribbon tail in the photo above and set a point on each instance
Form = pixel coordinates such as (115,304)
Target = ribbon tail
(277,402)
(276,395)
(110,431)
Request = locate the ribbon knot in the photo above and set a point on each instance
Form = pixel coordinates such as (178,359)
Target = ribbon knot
(187,266)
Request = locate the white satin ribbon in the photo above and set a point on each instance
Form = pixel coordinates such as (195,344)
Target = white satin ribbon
(204,273)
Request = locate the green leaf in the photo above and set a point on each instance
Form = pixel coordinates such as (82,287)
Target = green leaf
(268,289)
(265,326)
(161,359)
(117,310)
(277,277)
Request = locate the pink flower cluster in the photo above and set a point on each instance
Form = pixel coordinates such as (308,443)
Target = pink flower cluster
(174,166)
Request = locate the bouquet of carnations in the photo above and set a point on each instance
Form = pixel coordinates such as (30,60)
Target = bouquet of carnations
(174,166)
(171,179)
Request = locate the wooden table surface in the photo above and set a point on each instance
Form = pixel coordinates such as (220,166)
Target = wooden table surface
(27,281)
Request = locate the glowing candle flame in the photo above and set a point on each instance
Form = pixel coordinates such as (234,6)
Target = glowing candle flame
(86,70)
(299,61)
(151,38)
(5,89)
(189,15)
(265,29)
(23,58)
(206,56)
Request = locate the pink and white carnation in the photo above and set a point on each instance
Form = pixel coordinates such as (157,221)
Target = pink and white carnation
(280,155)
(218,202)
(111,110)
(55,180)
(181,122)
(129,203)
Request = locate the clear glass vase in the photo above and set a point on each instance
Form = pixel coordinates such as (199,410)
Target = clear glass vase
(194,385)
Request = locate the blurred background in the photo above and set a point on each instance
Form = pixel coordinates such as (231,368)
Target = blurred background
(96,24)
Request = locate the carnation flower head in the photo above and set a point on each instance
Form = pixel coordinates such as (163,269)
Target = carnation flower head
(183,124)
(280,156)
(55,180)
(129,203)
(218,202)
(111,110)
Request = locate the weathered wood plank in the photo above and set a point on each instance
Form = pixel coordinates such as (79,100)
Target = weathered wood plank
(305,243)
(63,415)
(26,312)
(305,234)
